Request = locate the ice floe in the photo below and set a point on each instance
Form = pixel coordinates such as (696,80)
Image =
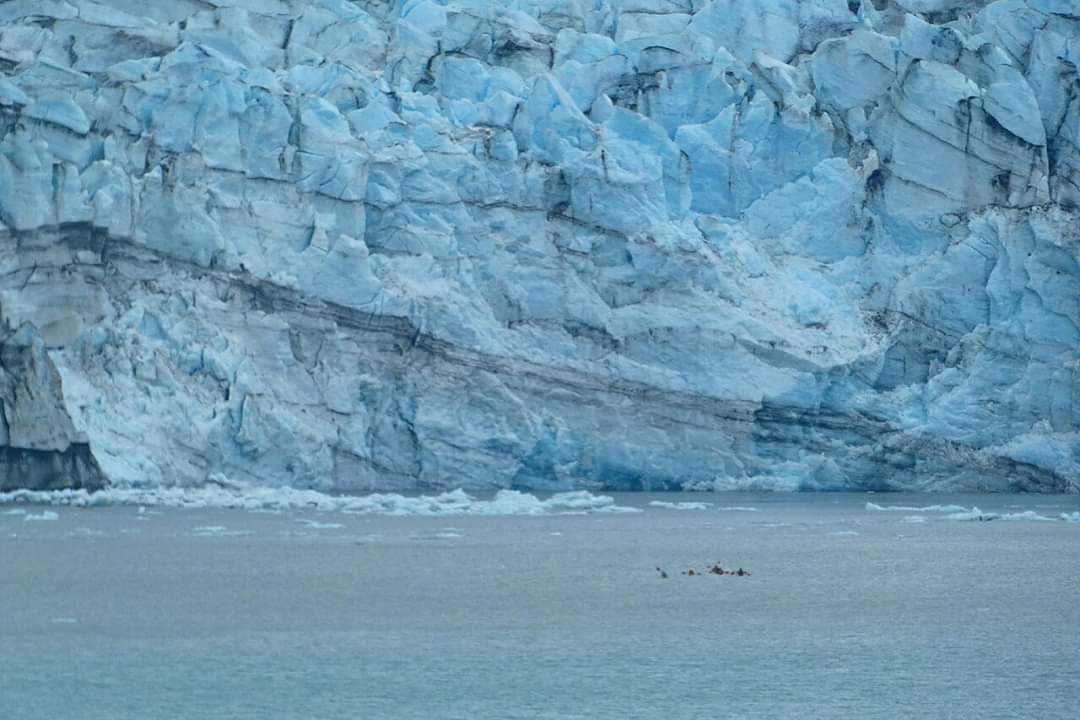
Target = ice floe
(959,512)
(874,507)
(976,514)
(218,531)
(680,505)
(317,525)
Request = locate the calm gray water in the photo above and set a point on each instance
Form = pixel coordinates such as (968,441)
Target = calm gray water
(108,613)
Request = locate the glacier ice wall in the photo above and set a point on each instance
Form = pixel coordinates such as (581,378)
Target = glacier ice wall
(540,244)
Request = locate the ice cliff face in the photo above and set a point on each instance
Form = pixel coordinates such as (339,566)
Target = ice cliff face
(540,243)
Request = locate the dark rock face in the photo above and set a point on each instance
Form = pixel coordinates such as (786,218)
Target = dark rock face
(39,446)
(72,469)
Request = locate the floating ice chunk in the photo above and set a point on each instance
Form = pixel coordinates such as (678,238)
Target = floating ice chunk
(680,505)
(1027,515)
(844,533)
(218,531)
(1073,517)
(439,535)
(512,502)
(45,515)
(85,532)
(317,525)
(909,509)
(914,518)
(976,514)
(15,511)
(738,508)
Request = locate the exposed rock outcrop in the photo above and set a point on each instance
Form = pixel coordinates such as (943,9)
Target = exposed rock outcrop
(39,446)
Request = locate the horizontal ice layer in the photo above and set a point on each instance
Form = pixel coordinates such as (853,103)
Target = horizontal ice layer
(540,244)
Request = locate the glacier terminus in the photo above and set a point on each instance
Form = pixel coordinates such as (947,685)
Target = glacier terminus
(540,244)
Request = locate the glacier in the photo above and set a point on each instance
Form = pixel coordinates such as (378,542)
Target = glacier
(552,245)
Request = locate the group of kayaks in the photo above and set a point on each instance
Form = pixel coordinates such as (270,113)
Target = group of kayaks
(713,569)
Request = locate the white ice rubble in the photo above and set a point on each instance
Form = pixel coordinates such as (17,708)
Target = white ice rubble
(401,245)
(254,497)
(959,512)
